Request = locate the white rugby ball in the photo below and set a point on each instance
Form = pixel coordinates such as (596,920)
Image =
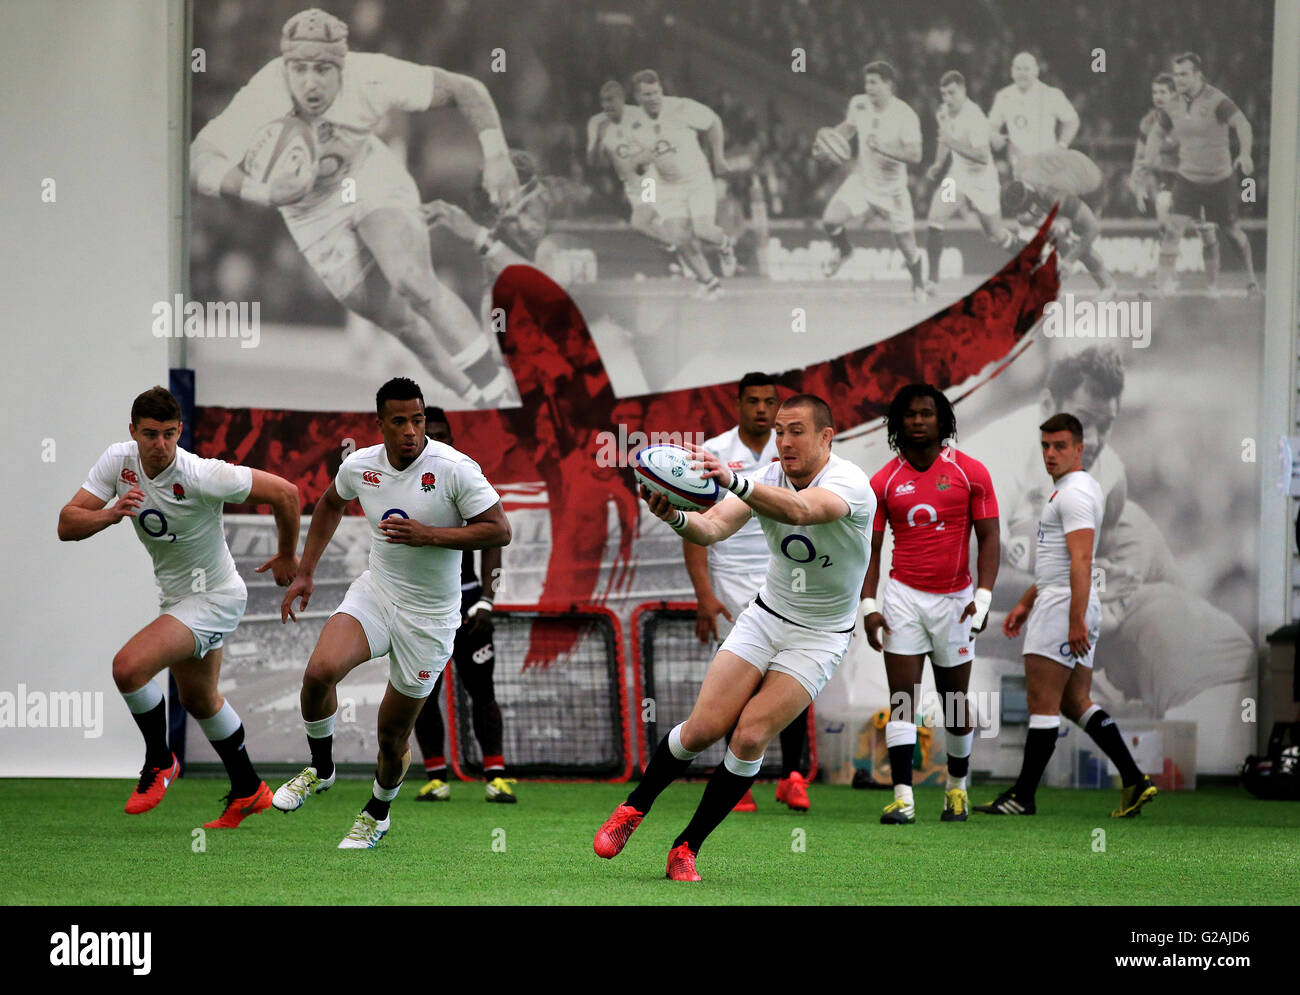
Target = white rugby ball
(284,147)
(667,469)
(832,146)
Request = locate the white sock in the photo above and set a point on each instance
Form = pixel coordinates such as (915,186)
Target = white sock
(220,726)
(143,699)
(675,744)
(320,728)
(903,792)
(900,734)
(385,794)
(955,783)
(741,768)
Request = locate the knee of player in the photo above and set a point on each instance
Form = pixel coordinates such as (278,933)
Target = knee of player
(319,675)
(394,742)
(201,704)
(129,673)
(414,286)
(749,740)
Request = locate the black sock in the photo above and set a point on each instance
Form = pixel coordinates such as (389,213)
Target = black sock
(900,763)
(1039,744)
(721,794)
(322,750)
(153,726)
(794,738)
(934,249)
(663,770)
(914,267)
(377,808)
(958,766)
(840,239)
(1105,733)
(243,778)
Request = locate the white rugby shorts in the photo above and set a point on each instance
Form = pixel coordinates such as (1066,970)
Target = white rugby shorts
(924,622)
(862,198)
(209,616)
(694,200)
(418,645)
(1047,632)
(768,642)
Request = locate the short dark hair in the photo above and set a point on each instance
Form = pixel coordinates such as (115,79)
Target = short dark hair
(754,380)
(821,411)
(397,389)
(645,76)
(436,414)
(1191,57)
(903,400)
(882,69)
(1102,364)
(156,403)
(952,76)
(1064,422)
(612,86)
(1164,79)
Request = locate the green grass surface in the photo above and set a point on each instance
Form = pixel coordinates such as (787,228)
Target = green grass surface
(68,842)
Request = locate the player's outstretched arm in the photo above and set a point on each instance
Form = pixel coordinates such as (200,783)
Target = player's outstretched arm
(720,522)
(490,528)
(324,521)
(473,100)
(286,506)
(86,514)
(217,176)
(496,254)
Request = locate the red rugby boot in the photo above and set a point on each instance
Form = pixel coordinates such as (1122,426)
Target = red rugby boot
(612,836)
(681,864)
(239,809)
(151,787)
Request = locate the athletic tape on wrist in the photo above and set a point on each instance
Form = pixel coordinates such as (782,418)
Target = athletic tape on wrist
(678,523)
(482,604)
(740,486)
(983,598)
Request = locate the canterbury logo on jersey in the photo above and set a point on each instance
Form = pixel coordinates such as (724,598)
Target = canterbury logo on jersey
(736,464)
(906,488)
(371,477)
(129,476)
(425,675)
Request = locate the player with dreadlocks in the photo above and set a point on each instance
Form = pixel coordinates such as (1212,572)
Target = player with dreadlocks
(931,495)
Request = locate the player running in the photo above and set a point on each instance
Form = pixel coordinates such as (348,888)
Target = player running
(728,575)
(685,196)
(475,661)
(425,502)
(1155,169)
(174,499)
(815,510)
(971,182)
(889,138)
(356,215)
(932,496)
(1062,177)
(618,135)
(1037,117)
(1199,119)
(1064,618)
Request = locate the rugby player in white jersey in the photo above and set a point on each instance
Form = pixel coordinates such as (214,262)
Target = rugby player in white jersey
(889,138)
(1061,615)
(971,182)
(425,502)
(816,511)
(356,215)
(619,135)
(685,196)
(727,575)
(174,499)
(1036,117)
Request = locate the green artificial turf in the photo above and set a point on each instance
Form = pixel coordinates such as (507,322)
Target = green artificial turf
(69,842)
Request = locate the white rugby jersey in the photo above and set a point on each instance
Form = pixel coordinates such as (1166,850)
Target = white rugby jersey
(441,488)
(893,125)
(1031,117)
(745,553)
(1075,503)
(179,521)
(970,126)
(372,85)
(626,141)
(831,558)
(674,137)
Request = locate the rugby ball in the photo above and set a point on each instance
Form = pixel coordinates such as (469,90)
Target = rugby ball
(832,146)
(667,469)
(284,147)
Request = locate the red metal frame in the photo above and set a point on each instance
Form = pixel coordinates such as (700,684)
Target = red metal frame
(629,750)
(638,666)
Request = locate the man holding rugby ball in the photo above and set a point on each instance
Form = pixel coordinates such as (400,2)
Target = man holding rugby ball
(816,511)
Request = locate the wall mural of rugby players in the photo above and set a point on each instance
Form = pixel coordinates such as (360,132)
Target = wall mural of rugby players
(646,325)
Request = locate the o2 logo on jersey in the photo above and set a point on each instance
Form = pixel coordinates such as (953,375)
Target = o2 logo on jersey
(929,509)
(156,529)
(394,513)
(800,543)
(664,147)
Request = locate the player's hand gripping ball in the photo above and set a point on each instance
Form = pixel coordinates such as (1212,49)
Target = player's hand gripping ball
(830,146)
(667,471)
